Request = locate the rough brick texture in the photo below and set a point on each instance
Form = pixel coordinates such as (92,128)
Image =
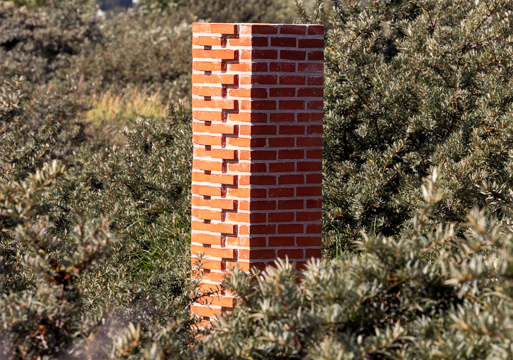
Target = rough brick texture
(257,133)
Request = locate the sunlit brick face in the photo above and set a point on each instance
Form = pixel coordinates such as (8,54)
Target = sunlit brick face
(257,101)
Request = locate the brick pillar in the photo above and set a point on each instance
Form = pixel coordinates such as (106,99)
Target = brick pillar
(257,132)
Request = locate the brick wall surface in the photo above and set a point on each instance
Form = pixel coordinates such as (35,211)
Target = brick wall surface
(257,133)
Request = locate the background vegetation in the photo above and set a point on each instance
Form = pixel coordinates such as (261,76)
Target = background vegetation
(94,192)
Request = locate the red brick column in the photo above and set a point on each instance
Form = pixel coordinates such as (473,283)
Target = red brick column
(257,132)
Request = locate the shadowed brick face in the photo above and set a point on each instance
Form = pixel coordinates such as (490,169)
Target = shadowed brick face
(257,133)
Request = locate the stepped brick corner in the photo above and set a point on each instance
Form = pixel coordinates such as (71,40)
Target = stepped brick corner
(257,100)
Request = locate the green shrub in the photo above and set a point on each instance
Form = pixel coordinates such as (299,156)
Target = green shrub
(430,294)
(411,85)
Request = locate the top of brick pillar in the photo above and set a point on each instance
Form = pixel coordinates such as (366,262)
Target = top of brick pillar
(248,28)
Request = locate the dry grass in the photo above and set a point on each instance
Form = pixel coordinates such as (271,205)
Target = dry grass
(112,112)
(125,108)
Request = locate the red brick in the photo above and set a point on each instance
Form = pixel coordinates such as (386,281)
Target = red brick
(214,79)
(264,79)
(243,193)
(281,167)
(282,92)
(258,167)
(313,253)
(314,154)
(313,204)
(292,129)
(315,55)
(291,154)
(315,29)
(240,67)
(310,92)
(281,192)
(250,93)
(221,227)
(263,130)
(206,311)
(309,166)
(242,142)
(263,155)
(257,254)
(309,241)
(310,117)
(260,41)
(207,165)
(314,178)
(217,179)
(291,253)
(239,217)
(310,67)
(281,241)
(209,191)
(264,54)
(309,191)
(264,29)
(309,216)
(290,204)
(258,193)
(243,41)
(282,67)
(227,29)
(292,55)
(207,115)
(283,41)
(263,180)
(291,179)
(207,140)
(314,105)
(259,67)
(281,217)
(291,229)
(207,66)
(215,54)
(262,205)
(292,104)
(314,229)
(314,129)
(293,29)
(214,252)
(218,104)
(311,43)
(282,142)
(228,204)
(315,80)
(208,264)
(217,301)
(258,105)
(309,141)
(207,40)
(201,27)
(207,214)
(206,238)
(263,229)
(292,80)
(282,117)
(216,128)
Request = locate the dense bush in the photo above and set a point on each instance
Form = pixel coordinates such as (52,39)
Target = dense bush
(410,297)
(411,85)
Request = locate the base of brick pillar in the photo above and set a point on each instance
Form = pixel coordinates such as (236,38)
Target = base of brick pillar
(257,134)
